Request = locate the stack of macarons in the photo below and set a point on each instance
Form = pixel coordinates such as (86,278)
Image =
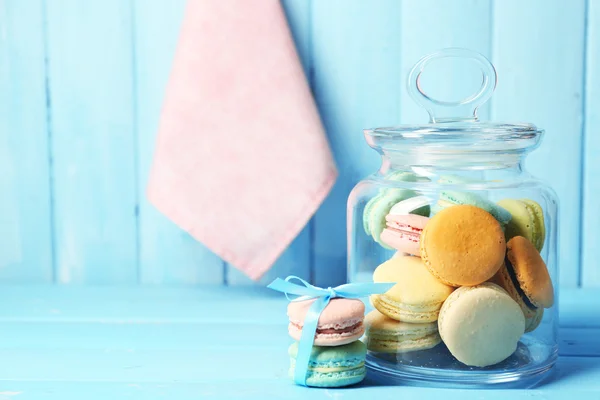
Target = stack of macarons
(338,356)
(470,276)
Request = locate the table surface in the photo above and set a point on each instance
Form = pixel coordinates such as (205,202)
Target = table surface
(210,342)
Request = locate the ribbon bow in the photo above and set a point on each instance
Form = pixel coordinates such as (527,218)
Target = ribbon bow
(307,291)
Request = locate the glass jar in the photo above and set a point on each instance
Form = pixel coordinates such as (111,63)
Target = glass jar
(469,236)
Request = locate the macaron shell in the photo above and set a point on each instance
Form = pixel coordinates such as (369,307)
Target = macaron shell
(379,210)
(531,271)
(410,206)
(527,221)
(463,245)
(332,366)
(502,279)
(339,313)
(534,321)
(520,223)
(407,238)
(468,198)
(416,288)
(406,176)
(417,295)
(367,212)
(401,312)
(386,335)
(481,325)
(454,179)
(397,241)
(537,216)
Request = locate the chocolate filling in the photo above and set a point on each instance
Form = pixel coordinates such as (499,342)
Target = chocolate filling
(515,281)
(328,331)
(343,330)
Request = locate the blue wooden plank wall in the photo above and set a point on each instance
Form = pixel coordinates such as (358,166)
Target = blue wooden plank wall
(81,86)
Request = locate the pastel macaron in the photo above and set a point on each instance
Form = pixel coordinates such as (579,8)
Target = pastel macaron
(481,325)
(524,276)
(378,207)
(463,245)
(405,176)
(416,297)
(403,232)
(340,322)
(451,198)
(332,366)
(527,221)
(386,335)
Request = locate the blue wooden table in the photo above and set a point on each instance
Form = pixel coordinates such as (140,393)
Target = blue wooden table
(212,342)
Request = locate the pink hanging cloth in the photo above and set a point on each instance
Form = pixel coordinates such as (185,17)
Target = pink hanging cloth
(241,161)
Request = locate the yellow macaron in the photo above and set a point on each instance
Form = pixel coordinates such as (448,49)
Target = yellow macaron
(463,245)
(417,296)
(386,335)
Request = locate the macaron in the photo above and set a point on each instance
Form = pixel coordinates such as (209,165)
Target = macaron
(524,276)
(333,366)
(451,198)
(379,206)
(531,323)
(481,325)
(340,322)
(416,297)
(463,245)
(386,335)
(405,176)
(456,179)
(403,232)
(527,221)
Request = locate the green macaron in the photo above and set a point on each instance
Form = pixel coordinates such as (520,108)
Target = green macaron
(450,198)
(455,179)
(333,366)
(527,221)
(405,176)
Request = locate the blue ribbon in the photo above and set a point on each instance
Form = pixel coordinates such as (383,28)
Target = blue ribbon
(322,296)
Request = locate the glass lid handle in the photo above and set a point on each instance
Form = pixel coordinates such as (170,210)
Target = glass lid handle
(461,110)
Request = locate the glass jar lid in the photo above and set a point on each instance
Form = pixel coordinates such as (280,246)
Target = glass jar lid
(454,124)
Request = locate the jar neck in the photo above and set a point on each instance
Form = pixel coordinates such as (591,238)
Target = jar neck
(488,164)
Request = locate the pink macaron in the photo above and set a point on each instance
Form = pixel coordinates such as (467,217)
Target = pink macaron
(403,232)
(341,322)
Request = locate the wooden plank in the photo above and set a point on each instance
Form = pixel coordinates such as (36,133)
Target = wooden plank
(357,83)
(168,255)
(540,71)
(591,184)
(93,146)
(144,304)
(169,356)
(579,308)
(118,358)
(140,336)
(579,342)
(25,212)
(430,25)
(564,384)
(295,260)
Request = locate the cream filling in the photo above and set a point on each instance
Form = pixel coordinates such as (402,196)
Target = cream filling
(422,308)
(336,369)
(390,337)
